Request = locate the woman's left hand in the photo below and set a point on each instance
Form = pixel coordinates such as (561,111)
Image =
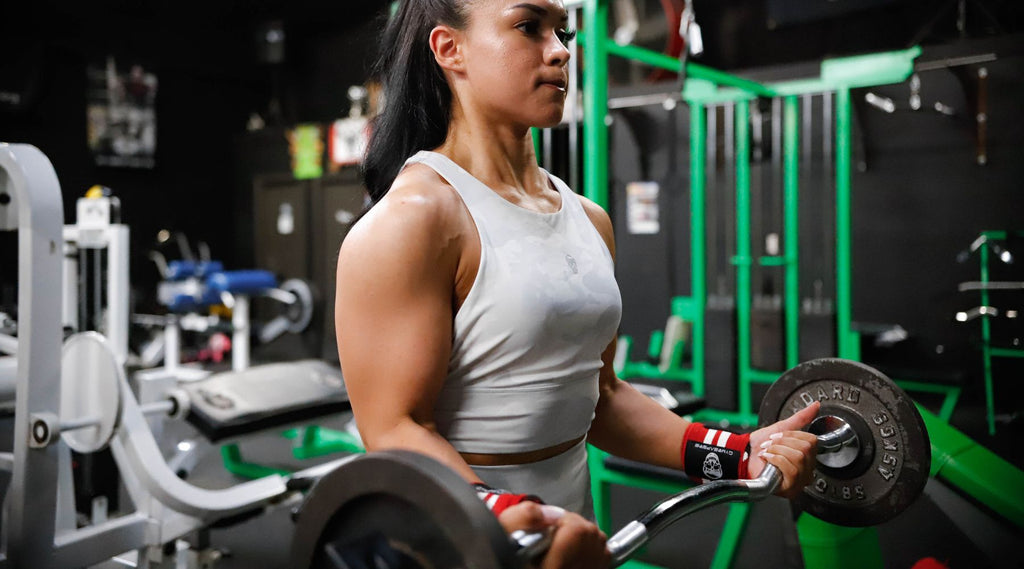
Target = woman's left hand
(789,449)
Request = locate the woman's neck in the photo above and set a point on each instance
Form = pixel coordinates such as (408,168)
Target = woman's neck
(499,155)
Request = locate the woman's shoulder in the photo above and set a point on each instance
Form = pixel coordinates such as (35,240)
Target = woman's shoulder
(422,194)
(420,208)
(420,181)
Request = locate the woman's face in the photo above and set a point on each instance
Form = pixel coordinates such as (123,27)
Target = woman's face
(514,60)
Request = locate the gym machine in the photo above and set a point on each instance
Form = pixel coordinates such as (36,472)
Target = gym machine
(87,303)
(190,287)
(76,396)
(823,544)
(869,431)
(703,87)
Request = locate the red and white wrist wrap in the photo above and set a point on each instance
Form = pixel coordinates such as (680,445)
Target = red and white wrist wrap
(712,454)
(498,500)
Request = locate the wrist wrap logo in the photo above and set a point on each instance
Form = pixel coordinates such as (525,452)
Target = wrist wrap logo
(712,454)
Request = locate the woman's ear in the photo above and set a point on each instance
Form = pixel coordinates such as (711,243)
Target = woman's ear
(444,42)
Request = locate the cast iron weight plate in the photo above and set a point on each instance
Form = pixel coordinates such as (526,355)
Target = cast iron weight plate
(895,453)
(405,505)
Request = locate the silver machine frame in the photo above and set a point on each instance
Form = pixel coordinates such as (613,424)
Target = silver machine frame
(39,515)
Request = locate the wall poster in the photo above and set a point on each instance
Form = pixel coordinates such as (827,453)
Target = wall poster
(121,115)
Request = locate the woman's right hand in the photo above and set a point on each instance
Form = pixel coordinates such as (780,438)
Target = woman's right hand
(576,544)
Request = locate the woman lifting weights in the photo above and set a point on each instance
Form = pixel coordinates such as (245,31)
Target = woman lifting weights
(476,301)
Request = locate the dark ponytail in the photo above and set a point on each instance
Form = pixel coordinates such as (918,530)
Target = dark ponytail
(417,100)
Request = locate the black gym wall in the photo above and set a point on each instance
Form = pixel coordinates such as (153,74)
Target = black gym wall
(919,198)
(919,201)
(213,73)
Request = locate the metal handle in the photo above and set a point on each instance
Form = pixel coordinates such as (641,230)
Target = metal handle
(635,534)
(532,545)
(638,532)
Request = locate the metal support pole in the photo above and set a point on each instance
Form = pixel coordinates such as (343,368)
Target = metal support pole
(698,238)
(547,154)
(573,105)
(535,136)
(731,535)
(595,103)
(791,226)
(847,340)
(742,260)
(70,291)
(240,336)
(172,345)
(118,291)
(986,343)
(30,521)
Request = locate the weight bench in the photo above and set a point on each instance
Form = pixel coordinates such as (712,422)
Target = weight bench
(232,404)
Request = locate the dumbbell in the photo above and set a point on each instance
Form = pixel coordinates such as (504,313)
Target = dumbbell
(403,510)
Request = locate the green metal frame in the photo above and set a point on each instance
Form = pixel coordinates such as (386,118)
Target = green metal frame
(673,369)
(313,441)
(604,478)
(231,456)
(838,76)
(705,86)
(791,225)
(950,393)
(824,545)
(987,350)
(963,463)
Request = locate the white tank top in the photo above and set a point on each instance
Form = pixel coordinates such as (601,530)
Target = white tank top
(526,352)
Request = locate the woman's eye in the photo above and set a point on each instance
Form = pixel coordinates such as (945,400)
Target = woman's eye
(566,35)
(529,27)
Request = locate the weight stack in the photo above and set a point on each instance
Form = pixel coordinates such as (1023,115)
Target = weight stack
(720,365)
(817,329)
(767,333)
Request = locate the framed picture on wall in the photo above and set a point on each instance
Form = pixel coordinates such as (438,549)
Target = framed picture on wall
(121,114)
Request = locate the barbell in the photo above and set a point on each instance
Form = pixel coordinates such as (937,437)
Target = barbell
(403,510)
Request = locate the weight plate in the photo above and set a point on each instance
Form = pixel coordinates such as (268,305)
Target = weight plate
(395,507)
(90,389)
(895,453)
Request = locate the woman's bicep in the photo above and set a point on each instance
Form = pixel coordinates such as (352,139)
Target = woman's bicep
(393,318)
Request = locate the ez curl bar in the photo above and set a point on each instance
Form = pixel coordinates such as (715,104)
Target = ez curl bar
(402,510)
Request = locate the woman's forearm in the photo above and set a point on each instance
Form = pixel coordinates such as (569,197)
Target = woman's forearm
(410,435)
(629,424)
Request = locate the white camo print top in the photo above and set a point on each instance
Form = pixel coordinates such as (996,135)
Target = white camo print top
(523,372)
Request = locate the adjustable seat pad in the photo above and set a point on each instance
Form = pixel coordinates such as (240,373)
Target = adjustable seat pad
(231,404)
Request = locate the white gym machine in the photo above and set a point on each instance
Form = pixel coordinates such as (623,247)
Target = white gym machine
(76,396)
(95,231)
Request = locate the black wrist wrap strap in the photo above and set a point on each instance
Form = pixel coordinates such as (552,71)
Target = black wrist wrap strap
(712,454)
